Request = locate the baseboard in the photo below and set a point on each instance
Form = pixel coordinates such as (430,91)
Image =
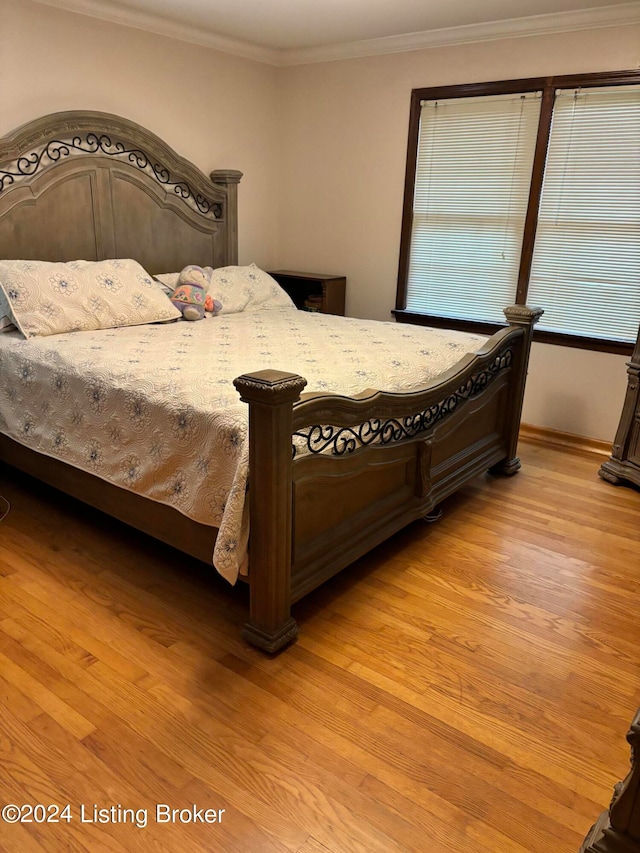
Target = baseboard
(567,440)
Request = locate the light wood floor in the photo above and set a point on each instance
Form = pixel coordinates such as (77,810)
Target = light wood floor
(467,687)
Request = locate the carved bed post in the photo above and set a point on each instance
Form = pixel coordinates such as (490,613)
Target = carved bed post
(524,317)
(270,395)
(229,179)
(618,829)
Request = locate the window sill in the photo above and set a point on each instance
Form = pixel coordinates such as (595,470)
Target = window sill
(478,327)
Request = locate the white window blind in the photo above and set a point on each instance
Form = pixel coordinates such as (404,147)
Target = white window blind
(473,172)
(586,262)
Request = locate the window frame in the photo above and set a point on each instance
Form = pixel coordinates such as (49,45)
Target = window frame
(548,86)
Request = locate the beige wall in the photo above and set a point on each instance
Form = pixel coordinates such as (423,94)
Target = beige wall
(344,146)
(322,148)
(217,110)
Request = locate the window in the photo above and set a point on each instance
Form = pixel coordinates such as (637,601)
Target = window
(526,191)
(473,172)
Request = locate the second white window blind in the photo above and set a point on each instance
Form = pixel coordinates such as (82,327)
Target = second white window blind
(586,261)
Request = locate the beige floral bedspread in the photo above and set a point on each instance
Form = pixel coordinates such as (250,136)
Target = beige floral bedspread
(153,408)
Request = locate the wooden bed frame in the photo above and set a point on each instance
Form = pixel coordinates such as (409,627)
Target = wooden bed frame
(91,185)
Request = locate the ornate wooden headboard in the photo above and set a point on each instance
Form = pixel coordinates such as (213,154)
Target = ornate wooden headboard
(92,185)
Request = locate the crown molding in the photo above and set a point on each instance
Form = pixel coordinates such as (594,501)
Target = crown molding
(557,22)
(107,11)
(623,14)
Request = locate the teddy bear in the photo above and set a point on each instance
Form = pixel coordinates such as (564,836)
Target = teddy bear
(190,295)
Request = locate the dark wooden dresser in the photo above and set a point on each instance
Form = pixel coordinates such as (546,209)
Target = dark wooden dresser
(624,462)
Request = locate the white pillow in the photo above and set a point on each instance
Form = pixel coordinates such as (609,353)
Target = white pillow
(52,298)
(247,289)
(168,281)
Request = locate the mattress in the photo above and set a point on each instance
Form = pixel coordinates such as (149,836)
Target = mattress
(153,408)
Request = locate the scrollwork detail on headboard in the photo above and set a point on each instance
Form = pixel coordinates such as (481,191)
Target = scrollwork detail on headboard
(27,165)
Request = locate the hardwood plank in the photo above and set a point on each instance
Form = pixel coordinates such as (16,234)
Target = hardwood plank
(311,845)
(465,688)
(46,699)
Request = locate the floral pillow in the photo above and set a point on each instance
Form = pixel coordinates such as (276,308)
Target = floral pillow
(247,289)
(52,298)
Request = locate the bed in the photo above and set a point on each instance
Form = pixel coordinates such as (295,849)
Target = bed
(330,475)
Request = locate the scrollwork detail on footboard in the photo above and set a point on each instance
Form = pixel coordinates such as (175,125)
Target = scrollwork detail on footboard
(53,151)
(339,441)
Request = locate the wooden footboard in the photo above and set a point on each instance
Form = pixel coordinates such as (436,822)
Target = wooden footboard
(332,477)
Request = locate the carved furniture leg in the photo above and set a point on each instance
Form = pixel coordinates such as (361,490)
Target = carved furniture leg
(525,318)
(622,465)
(607,474)
(507,467)
(270,395)
(618,829)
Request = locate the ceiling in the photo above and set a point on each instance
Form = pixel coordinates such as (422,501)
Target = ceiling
(286,31)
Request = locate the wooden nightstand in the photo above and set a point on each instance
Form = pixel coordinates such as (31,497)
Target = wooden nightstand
(302,285)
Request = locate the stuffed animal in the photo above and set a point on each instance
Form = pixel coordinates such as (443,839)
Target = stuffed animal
(212,305)
(190,295)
